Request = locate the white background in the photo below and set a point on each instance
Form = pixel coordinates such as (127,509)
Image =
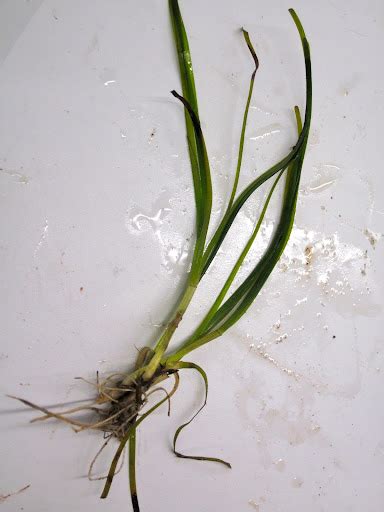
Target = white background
(97,210)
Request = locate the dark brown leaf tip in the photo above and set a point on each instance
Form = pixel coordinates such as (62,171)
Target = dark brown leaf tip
(251,48)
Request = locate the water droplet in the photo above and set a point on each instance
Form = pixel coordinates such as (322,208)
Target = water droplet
(263,110)
(297,482)
(266,131)
(43,236)
(280,465)
(326,176)
(140,221)
(282,338)
(322,186)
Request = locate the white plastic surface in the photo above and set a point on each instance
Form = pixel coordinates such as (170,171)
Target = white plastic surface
(97,215)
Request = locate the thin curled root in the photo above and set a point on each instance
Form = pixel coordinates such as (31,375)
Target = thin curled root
(116,410)
(167,394)
(94,478)
(99,424)
(118,403)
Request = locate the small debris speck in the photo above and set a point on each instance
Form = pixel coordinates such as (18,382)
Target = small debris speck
(372,237)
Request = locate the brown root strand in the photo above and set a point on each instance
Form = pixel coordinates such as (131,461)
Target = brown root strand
(116,406)
(95,478)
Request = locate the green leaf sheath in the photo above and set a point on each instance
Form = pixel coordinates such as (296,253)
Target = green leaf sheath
(245,118)
(192,366)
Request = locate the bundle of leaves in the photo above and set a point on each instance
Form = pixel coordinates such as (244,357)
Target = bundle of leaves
(120,402)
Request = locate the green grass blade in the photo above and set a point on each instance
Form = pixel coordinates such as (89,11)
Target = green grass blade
(299,122)
(236,298)
(132,472)
(234,308)
(193,366)
(245,118)
(206,189)
(189,92)
(281,236)
(239,302)
(228,219)
(232,312)
(276,247)
(198,253)
(201,181)
(230,216)
(215,306)
(183,54)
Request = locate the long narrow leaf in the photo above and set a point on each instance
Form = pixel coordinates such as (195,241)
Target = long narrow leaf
(132,472)
(206,187)
(253,284)
(231,313)
(236,298)
(184,55)
(201,182)
(230,216)
(276,246)
(245,118)
(193,366)
(206,322)
(189,93)
(232,310)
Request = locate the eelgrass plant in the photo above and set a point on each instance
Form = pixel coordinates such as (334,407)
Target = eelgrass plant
(120,403)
